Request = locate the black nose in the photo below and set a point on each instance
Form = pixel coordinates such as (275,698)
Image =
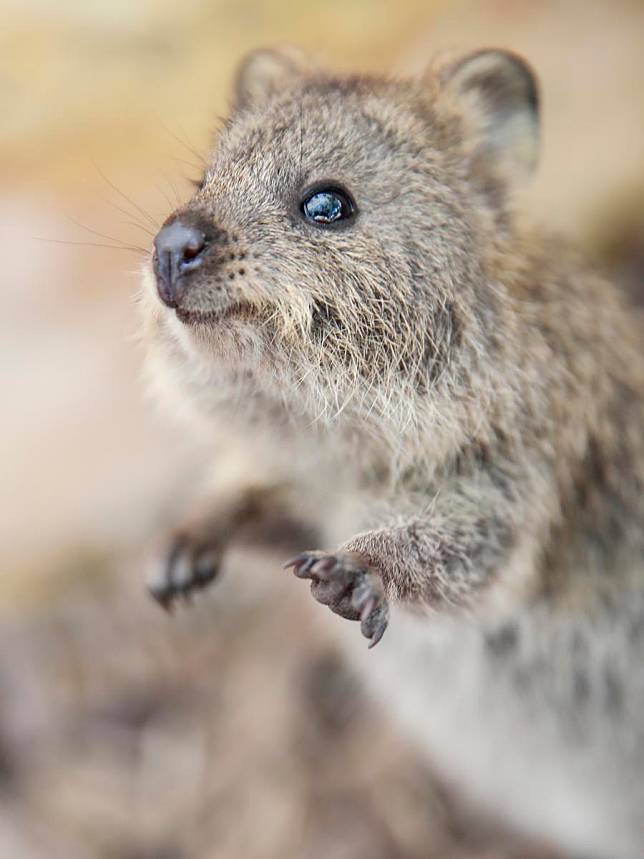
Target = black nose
(179,249)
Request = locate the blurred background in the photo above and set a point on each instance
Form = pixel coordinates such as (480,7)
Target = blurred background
(232,729)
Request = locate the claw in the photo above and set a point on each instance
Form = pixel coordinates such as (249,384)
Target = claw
(304,571)
(362,594)
(206,567)
(160,595)
(302,565)
(323,566)
(181,576)
(377,635)
(295,560)
(373,627)
(368,607)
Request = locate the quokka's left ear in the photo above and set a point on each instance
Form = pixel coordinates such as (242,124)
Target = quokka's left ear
(496,93)
(267,72)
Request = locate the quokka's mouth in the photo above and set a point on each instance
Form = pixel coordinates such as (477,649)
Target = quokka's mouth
(238,312)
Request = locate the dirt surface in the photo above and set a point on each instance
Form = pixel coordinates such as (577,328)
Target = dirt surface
(232,729)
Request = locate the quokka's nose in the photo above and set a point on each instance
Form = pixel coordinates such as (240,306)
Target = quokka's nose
(179,249)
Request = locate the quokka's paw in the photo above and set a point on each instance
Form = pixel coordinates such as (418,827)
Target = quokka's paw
(188,565)
(343,583)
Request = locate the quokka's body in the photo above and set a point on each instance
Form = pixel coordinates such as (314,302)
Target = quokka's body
(456,396)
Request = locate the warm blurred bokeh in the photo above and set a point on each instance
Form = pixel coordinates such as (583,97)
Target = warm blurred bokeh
(234,730)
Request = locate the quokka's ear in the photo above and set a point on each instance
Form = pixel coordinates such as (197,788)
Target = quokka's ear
(496,93)
(266,72)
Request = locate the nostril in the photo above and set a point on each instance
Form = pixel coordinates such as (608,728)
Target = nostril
(194,248)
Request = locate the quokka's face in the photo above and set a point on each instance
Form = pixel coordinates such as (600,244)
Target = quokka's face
(329,248)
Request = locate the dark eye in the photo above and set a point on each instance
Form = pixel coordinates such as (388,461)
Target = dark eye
(327,206)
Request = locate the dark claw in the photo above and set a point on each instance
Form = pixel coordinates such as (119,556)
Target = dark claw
(206,567)
(323,567)
(373,627)
(302,564)
(295,560)
(377,635)
(374,613)
(160,592)
(364,595)
(181,572)
(368,608)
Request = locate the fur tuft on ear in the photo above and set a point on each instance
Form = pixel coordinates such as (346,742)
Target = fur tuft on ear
(496,93)
(266,72)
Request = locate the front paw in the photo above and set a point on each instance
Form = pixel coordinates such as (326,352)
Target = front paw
(188,565)
(343,583)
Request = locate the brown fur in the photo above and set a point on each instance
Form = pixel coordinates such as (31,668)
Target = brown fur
(468,387)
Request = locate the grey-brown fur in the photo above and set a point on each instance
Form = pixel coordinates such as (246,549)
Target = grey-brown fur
(468,392)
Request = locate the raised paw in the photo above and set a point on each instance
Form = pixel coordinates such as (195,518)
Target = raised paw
(187,566)
(343,583)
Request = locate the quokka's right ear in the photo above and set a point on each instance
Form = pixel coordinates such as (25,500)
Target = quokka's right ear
(495,91)
(268,71)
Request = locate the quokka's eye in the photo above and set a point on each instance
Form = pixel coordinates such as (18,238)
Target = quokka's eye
(327,206)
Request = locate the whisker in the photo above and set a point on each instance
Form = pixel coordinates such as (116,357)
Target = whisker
(191,164)
(165,196)
(126,213)
(178,201)
(301,137)
(191,149)
(140,227)
(99,234)
(138,208)
(132,248)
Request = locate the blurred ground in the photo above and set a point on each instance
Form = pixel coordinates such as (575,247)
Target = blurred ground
(232,730)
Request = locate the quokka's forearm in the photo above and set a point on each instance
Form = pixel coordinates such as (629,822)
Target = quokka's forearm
(452,548)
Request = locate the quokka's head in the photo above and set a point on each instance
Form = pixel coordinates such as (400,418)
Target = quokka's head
(332,260)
